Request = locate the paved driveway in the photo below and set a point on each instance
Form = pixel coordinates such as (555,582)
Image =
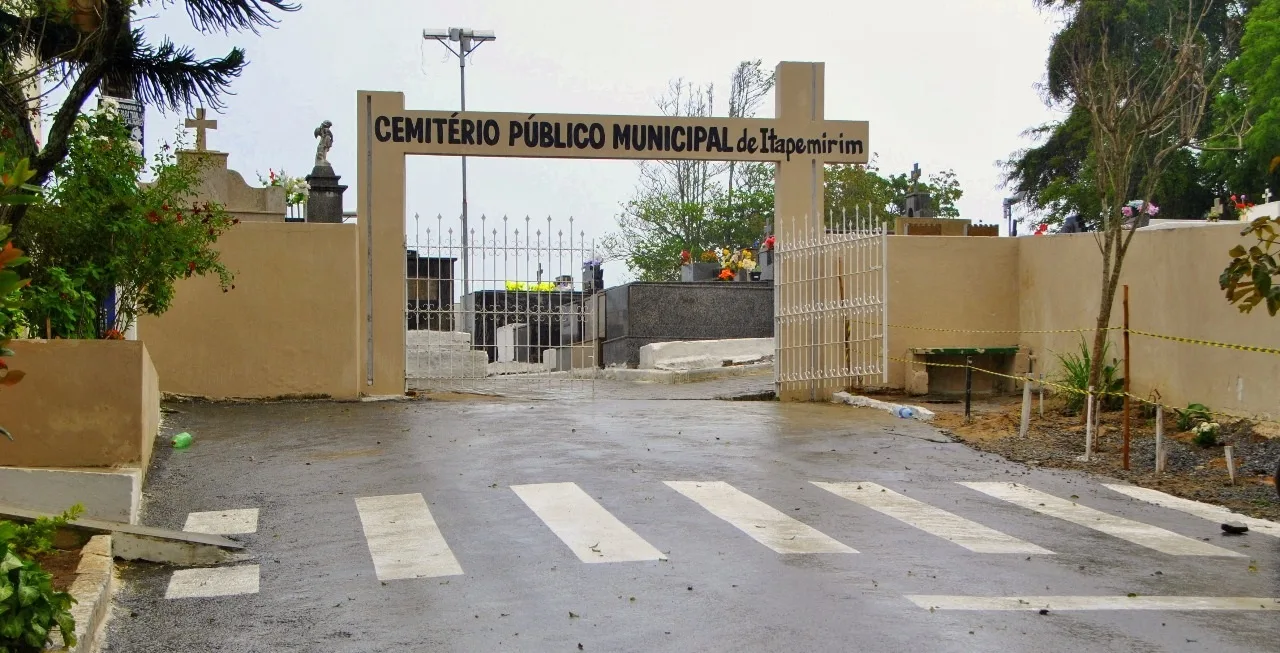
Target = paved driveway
(659,525)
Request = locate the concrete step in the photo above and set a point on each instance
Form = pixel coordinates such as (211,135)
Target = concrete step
(446,364)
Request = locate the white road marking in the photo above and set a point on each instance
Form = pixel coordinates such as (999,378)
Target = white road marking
(1203,510)
(403,539)
(1174,603)
(935,521)
(223,522)
(213,581)
(1126,529)
(590,531)
(765,524)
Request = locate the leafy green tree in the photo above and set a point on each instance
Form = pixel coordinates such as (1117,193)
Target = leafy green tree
(1253,276)
(83,44)
(1057,175)
(97,229)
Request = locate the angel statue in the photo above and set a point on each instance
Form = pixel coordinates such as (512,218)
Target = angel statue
(326,143)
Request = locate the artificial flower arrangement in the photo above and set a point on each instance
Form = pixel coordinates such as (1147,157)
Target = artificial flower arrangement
(1135,208)
(545,286)
(295,188)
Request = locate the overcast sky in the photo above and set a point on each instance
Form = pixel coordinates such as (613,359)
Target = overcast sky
(946,83)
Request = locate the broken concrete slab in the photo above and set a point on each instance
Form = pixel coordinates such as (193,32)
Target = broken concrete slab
(108,494)
(922,414)
(697,354)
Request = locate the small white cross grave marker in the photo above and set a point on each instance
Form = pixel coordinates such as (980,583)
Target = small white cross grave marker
(1216,210)
(1266,197)
(200,124)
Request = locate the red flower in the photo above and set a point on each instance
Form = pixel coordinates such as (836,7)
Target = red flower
(726,274)
(768,242)
(153,217)
(191,266)
(684,257)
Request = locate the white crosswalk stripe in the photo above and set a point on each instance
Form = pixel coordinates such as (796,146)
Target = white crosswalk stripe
(586,527)
(1067,603)
(1202,510)
(223,522)
(1136,532)
(765,524)
(403,538)
(210,582)
(935,521)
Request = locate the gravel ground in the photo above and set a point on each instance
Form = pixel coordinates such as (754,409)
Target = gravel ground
(1191,472)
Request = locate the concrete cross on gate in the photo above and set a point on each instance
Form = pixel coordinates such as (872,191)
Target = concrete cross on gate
(1216,210)
(200,124)
(1266,197)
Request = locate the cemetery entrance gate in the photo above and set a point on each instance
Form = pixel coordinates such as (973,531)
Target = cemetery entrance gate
(799,140)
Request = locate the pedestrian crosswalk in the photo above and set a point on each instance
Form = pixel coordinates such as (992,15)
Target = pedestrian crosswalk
(403,541)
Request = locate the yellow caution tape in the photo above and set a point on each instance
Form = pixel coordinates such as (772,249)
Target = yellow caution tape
(1070,390)
(1209,343)
(920,328)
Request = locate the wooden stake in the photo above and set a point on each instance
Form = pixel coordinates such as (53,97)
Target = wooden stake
(1025,426)
(1041,388)
(1231,464)
(1159,439)
(1125,446)
(48,331)
(1088,425)
(968,389)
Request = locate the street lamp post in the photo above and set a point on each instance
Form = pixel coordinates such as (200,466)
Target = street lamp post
(468,40)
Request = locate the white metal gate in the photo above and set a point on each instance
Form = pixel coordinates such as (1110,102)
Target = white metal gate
(830,307)
(517,306)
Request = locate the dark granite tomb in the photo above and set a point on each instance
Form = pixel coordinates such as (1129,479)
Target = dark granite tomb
(638,314)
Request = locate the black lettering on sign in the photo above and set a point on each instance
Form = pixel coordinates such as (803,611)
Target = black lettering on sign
(658,137)
(699,137)
(622,137)
(546,135)
(579,137)
(397,129)
(641,137)
(516,130)
(559,142)
(381,125)
(453,132)
(742,141)
(530,134)
(751,145)
(468,132)
(440,123)
(814,146)
(491,132)
(853,146)
(413,129)
(678,141)
(764,141)
(596,136)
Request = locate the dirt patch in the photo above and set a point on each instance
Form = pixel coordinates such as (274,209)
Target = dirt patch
(1192,472)
(61,564)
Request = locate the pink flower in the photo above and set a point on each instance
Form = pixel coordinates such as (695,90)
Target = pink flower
(1152,209)
(1127,211)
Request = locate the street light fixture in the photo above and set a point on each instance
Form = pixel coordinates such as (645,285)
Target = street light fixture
(468,40)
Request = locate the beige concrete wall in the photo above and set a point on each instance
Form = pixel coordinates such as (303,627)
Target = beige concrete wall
(83,403)
(288,328)
(1173,290)
(1054,282)
(944,282)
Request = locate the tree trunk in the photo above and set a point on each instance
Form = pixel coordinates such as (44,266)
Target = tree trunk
(1110,282)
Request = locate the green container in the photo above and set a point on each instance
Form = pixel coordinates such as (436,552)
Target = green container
(182,440)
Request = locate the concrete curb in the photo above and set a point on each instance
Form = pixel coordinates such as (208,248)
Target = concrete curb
(684,376)
(92,588)
(922,414)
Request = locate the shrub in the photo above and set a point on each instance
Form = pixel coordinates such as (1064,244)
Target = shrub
(29,606)
(1206,434)
(1190,416)
(1075,375)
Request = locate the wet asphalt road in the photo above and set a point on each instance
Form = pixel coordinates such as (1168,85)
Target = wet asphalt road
(303,465)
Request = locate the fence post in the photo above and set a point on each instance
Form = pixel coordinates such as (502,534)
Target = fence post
(1125,446)
(968,389)
(1159,439)
(1088,425)
(1041,388)
(1231,463)
(1026,408)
